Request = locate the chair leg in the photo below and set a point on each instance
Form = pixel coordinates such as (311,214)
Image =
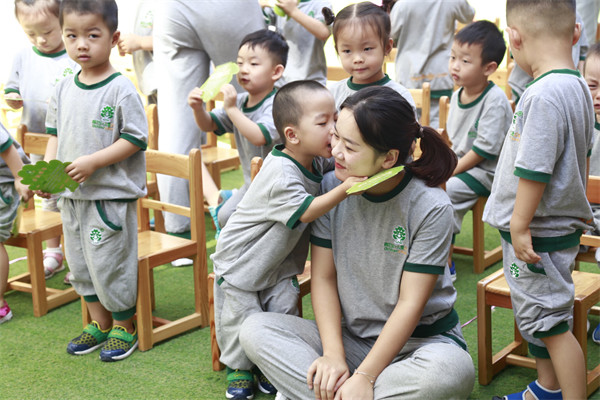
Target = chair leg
(484,337)
(214,346)
(36,271)
(144,307)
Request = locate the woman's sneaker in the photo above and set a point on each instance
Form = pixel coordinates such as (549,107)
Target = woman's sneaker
(120,344)
(90,339)
(5,313)
(241,384)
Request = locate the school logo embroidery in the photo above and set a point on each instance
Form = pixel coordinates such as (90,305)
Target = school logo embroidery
(68,71)
(399,236)
(106,115)
(514,135)
(473,133)
(147,21)
(96,235)
(514,270)
(311,14)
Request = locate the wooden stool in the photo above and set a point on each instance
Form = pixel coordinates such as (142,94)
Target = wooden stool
(494,291)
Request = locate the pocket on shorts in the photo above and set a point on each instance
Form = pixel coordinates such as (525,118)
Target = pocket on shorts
(6,194)
(109,215)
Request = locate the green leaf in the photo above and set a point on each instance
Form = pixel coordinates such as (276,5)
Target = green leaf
(220,76)
(375,180)
(48,177)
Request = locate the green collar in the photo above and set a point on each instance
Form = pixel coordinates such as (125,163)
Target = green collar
(260,103)
(357,86)
(597,126)
(95,85)
(392,193)
(478,99)
(316,176)
(556,71)
(49,55)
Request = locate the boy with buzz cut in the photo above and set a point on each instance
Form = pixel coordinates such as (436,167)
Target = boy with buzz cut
(538,199)
(262,57)
(479,117)
(265,243)
(98,124)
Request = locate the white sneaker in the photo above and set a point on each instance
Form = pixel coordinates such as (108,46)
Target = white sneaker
(280,396)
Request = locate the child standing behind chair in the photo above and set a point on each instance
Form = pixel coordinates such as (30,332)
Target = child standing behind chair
(479,117)
(423,32)
(34,74)
(12,190)
(98,123)
(538,199)
(361,33)
(305,31)
(265,243)
(262,57)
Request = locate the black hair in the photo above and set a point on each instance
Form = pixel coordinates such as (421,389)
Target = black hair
(273,42)
(287,104)
(488,36)
(593,52)
(107,9)
(363,14)
(387,121)
(543,17)
(49,6)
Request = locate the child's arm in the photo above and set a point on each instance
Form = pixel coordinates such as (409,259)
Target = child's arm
(82,167)
(467,162)
(202,117)
(130,43)
(13,100)
(248,128)
(529,195)
(317,28)
(325,202)
(12,158)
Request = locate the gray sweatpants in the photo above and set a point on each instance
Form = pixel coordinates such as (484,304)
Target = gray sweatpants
(188,35)
(233,306)
(284,346)
(542,294)
(231,205)
(9,203)
(101,248)
(462,198)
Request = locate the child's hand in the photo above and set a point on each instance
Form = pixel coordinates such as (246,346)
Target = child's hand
(195,99)
(42,194)
(229,96)
(351,180)
(129,43)
(24,192)
(13,100)
(521,242)
(81,169)
(265,3)
(288,6)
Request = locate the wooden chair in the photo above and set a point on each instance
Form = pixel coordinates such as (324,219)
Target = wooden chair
(151,184)
(593,242)
(494,291)
(36,227)
(422,99)
(157,248)
(303,281)
(336,73)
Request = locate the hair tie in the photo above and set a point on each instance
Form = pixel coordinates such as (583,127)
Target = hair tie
(419,134)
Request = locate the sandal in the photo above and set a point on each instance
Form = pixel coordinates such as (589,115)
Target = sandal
(538,391)
(53,263)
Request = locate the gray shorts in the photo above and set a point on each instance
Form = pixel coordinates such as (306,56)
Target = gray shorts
(463,198)
(9,202)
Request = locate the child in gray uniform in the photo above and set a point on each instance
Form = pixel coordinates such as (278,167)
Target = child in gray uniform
(12,159)
(265,243)
(262,57)
(538,199)
(379,265)
(99,125)
(479,117)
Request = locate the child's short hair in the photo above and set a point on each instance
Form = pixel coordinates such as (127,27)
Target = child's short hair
(288,101)
(107,9)
(593,52)
(488,36)
(41,6)
(543,17)
(363,14)
(273,42)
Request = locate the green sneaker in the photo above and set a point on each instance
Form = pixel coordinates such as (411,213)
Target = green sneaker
(92,338)
(241,384)
(120,344)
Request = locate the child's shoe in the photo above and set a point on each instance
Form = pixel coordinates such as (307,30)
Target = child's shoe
(53,263)
(68,277)
(120,344)
(264,385)
(596,334)
(214,212)
(280,396)
(241,384)
(538,392)
(453,272)
(5,313)
(92,338)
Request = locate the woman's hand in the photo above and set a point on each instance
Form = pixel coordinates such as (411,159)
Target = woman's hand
(357,387)
(325,375)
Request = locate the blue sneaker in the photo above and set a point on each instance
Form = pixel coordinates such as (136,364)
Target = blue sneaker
(241,384)
(264,385)
(90,339)
(120,344)
(453,272)
(214,212)
(596,334)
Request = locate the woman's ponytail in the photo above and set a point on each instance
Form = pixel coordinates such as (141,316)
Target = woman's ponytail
(437,161)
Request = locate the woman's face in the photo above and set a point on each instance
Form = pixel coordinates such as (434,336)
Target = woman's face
(353,157)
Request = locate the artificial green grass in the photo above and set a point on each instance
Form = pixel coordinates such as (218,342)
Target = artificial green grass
(35,365)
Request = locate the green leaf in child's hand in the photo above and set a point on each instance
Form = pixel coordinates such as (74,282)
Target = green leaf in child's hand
(48,177)
(375,180)
(220,76)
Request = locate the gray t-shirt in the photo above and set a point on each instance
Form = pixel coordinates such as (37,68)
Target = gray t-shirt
(264,241)
(423,31)
(595,155)
(479,126)
(6,141)
(89,118)
(34,75)
(306,57)
(548,141)
(262,115)
(345,88)
(143,61)
(375,238)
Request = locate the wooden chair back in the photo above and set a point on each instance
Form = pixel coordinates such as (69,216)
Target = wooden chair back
(422,99)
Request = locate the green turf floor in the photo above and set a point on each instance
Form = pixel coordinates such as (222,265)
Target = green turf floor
(35,365)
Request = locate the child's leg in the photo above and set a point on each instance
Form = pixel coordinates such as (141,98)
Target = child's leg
(463,199)
(100,314)
(3,272)
(229,207)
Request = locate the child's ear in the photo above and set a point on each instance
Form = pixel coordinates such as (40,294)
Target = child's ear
(514,38)
(290,135)
(391,157)
(389,46)
(277,72)
(115,38)
(490,68)
(576,33)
